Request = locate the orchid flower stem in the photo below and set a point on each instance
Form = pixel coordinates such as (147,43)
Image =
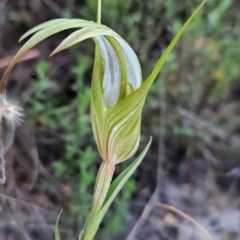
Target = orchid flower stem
(103,181)
(99,11)
(104,178)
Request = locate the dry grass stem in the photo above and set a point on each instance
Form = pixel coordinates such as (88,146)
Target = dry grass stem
(34,53)
(187,217)
(144,216)
(2,164)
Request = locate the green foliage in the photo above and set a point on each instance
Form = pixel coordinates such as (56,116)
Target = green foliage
(57,233)
(42,91)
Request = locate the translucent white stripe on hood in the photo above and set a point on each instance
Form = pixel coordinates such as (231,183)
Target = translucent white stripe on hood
(134,73)
(112,73)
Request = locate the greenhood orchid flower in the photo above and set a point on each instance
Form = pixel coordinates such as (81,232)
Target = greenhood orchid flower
(115,116)
(116,105)
(117,98)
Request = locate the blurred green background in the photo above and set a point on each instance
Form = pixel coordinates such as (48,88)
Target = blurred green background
(192,112)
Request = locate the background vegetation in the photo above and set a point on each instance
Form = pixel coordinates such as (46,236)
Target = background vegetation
(192,112)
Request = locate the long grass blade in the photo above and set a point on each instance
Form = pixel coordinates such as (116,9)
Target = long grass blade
(56,229)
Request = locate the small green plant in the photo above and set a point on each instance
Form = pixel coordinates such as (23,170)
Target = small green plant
(117,99)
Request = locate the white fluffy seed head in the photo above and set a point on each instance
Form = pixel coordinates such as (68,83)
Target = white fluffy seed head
(10,111)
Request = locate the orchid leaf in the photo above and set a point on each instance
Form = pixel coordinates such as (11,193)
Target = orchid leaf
(57,233)
(55,22)
(82,34)
(163,58)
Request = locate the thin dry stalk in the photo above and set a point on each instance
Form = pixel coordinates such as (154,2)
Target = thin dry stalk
(144,216)
(187,217)
(54,7)
(2,161)
(32,54)
(159,191)
(161,142)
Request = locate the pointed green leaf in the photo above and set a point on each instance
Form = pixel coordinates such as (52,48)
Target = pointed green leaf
(55,22)
(82,34)
(57,233)
(39,27)
(163,58)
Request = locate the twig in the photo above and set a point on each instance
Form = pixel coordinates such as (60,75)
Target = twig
(19,230)
(207,154)
(161,142)
(3,12)
(187,217)
(55,8)
(201,123)
(34,53)
(28,146)
(145,214)
(2,161)
(160,171)
(22,202)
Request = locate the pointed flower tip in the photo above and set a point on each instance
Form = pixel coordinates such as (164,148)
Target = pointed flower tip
(21,38)
(52,53)
(55,51)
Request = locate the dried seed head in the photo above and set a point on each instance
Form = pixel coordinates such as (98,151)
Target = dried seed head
(10,111)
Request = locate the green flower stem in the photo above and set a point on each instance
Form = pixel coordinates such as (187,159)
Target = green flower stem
(103,181)
(99,11)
